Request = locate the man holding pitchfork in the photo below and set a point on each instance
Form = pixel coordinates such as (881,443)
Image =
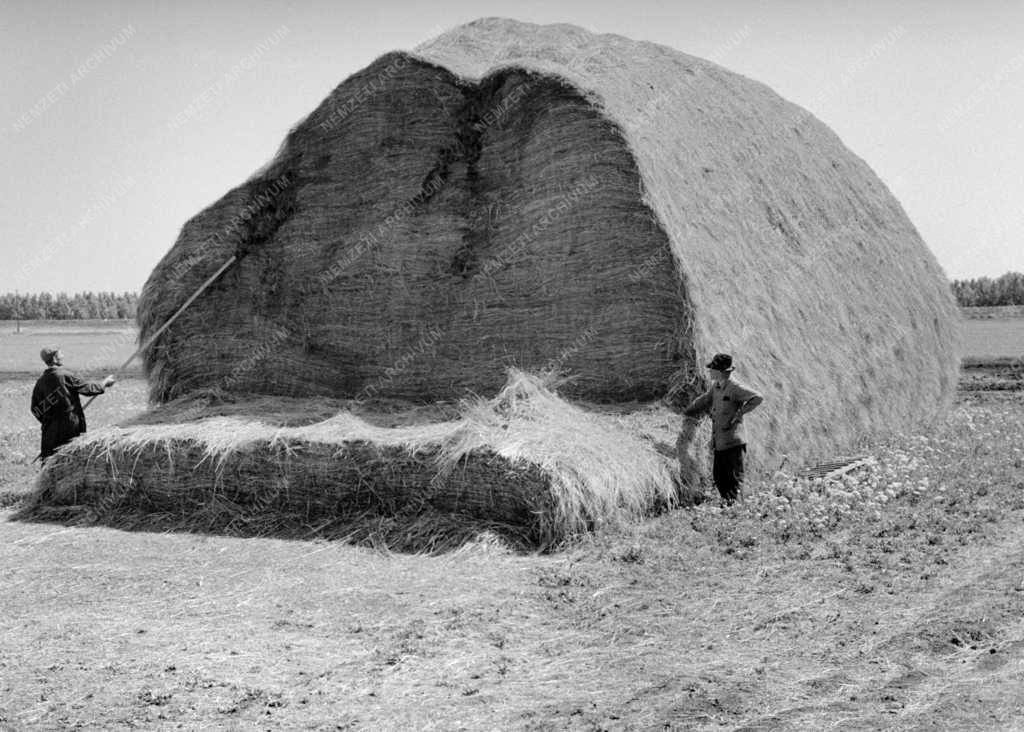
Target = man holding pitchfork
(55,402)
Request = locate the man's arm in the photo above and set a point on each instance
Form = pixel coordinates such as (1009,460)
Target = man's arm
(747,399)
(700,405)
(85,388)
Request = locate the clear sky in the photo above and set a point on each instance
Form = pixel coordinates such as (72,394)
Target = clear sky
(104,159)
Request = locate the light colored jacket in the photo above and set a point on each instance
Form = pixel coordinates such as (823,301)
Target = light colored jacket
(726,404)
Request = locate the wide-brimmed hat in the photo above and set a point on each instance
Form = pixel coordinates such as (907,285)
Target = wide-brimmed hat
(721,362)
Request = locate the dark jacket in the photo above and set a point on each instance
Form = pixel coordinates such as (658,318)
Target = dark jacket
(726,404)
(56,404)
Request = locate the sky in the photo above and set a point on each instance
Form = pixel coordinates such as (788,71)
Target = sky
(124,118)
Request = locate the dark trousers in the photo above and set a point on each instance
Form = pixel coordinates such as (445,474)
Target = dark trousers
(728,472)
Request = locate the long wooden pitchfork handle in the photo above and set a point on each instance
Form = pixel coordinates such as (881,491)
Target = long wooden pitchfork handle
(164,327)
(174,317)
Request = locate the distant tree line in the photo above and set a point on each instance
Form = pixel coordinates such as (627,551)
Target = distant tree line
(62,306)
(1008,289)
(987,292)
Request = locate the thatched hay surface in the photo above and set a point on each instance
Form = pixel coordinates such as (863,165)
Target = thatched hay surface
(418,251)
(512,194)
(525,459)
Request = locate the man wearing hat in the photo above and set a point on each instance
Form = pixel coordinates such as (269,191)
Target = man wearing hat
(726,401)
(55,402)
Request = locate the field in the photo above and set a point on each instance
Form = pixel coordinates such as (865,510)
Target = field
(891,600)
(993,334)
(92,345)
(994,338)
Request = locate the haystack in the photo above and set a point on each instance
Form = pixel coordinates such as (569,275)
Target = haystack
(546,199)
(514,195)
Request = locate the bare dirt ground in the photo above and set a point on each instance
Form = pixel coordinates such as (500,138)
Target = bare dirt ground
(698,619)
(658,629)
(893,600)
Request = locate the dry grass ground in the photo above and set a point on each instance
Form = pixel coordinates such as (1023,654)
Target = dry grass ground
(891,601)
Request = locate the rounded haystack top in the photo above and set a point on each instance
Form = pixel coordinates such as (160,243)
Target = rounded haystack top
(792,250)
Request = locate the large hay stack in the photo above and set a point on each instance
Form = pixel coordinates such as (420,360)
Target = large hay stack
(521,195)
(532,197)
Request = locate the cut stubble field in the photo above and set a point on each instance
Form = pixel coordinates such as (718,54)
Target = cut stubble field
(892,599)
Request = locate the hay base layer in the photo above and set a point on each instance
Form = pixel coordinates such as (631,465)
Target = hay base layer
(526,465)
(361,490)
